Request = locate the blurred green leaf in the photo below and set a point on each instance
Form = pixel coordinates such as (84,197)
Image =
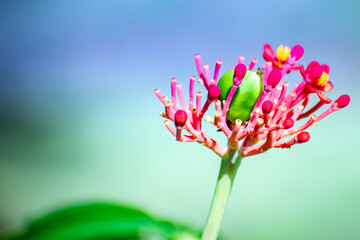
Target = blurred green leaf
(102,221)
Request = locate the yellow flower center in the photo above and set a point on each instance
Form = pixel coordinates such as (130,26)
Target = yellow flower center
(283,53)
(323,79)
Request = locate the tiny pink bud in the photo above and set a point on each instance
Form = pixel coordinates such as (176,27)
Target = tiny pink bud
(297,51)
(288,123)
(303,137)
(214,92)
(343,101)
(180,118)
(274,77)
(267,106)
(239,73)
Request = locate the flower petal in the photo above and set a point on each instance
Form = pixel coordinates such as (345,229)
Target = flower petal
(312,65)
(327,87)
(315,72)
(325,68)
(268,53)
(322,97)
(297,51)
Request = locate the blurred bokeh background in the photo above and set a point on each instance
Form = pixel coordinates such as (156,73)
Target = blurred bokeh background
(79,120)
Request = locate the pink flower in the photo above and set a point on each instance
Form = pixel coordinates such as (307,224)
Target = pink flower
(284,57)
(316,79)
(275,113)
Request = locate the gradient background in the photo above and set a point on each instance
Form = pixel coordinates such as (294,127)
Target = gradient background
(79,120)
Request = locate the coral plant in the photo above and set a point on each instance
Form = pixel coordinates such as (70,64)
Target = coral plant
(254,110)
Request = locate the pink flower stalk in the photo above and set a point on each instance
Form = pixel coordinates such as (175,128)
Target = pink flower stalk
(274,116)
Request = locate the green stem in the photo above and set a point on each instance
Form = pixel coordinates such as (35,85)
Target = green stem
(221,196)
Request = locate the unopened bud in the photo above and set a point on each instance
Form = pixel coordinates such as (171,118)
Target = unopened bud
(342,101)
(180,118)
(288,123)
(214,92)
(274,77)
(239,73)
(267,106)
(303,137)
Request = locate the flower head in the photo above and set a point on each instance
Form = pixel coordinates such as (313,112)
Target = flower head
(316,78)
(284,57)
(254,110)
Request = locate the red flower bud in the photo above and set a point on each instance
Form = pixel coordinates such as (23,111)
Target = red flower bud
(180,118)
(274,77)
(239,73)
(343,101)
(288,123)
(267,106)
(214,92)
(303,137)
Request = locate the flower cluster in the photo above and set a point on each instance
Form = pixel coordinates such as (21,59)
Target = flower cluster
(271,118)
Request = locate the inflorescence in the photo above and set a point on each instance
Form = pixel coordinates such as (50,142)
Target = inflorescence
(273,114)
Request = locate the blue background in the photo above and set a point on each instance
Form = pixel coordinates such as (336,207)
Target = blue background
(79,120)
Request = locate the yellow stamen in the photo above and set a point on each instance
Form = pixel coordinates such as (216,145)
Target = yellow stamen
(283,53)
(323,79)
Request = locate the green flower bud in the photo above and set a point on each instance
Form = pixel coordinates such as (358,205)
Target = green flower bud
(245,96)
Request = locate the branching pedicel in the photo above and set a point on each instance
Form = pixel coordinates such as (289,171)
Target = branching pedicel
(251,109)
